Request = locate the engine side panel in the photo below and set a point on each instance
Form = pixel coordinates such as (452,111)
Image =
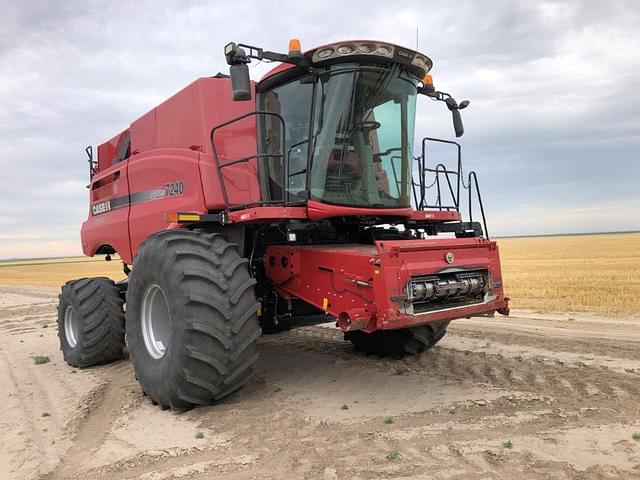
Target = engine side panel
(162,181)
(108,221)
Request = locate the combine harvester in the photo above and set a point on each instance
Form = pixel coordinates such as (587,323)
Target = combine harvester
(242,205)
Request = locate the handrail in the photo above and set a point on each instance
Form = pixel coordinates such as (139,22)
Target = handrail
(93,164)
(455,196)
(470,188)
(440,169)
(285,167)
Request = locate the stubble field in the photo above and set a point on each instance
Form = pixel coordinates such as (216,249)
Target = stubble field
(551,392)
(573,273)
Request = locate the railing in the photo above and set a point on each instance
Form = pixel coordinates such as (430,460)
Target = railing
(452,177)
(439,170)
(93,164)
(258,156)
(469,186)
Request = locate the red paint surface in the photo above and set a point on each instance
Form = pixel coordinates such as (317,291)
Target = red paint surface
(361,280)
(171,144)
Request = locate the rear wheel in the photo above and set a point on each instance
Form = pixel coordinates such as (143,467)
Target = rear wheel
(91,322)
(191,318)
(398,343)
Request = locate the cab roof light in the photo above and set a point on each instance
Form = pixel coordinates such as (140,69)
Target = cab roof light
(337,52)
(353,48)
(295,49)
(427,84)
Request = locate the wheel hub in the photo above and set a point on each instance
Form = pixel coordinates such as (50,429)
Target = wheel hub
(156,321)
(71,326)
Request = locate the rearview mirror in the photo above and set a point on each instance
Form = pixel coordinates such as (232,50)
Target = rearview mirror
(457,122)
(240,82)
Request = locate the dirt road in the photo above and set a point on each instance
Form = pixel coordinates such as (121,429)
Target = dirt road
(526,397)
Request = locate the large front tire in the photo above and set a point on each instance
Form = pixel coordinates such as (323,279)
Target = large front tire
(90,322)
(191,318)
(398,343)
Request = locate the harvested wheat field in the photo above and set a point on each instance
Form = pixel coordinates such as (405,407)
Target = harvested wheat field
(573,273)
(551,392)
(54,272)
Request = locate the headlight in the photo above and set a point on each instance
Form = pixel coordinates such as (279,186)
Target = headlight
(325,53)
(420,61)
(385,50)
(345,49)
(353,48)
(374,49)
(367,48)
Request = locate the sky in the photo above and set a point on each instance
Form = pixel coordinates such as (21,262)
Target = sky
(553,128)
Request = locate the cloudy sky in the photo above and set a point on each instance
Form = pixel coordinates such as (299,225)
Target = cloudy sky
(553,128)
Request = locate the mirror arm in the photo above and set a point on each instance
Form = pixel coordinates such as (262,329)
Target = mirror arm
(451,103)
(237,55)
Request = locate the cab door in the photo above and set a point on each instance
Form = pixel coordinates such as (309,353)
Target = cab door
(292,101)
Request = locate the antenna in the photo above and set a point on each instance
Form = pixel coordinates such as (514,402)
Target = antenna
(416,38)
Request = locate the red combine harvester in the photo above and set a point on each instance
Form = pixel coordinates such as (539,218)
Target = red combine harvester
(242,205)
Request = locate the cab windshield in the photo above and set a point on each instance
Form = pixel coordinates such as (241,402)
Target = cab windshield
(356,150)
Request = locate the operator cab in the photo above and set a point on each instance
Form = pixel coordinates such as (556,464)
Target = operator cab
(336,124)
(348,135)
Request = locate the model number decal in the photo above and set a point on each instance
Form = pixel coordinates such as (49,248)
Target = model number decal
(169,189)
(174,189)
(101,207)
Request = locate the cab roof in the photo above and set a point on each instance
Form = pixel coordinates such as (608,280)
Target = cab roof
(357,50)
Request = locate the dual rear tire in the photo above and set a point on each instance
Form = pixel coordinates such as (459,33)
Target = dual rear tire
(191,321)
(91,322)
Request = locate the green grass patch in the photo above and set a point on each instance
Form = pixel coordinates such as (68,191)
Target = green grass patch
(41,359)
(393,455)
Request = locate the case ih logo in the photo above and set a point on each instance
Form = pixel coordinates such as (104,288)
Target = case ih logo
(102,207)
(449,257)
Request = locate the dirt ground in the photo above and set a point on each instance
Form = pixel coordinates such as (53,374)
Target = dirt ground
(530,396)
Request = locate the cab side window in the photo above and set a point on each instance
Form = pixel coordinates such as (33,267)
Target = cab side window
(293,102)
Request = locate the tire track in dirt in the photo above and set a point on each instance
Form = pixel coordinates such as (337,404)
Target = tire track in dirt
(99,410)
(569,409)
(539,373)
(34,441)
(547,397)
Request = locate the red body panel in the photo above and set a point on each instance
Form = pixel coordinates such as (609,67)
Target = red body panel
(170,145)
(171,168)
(111,228)
(361,284)
(151,172)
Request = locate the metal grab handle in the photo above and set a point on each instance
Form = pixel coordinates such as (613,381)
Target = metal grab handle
(422,165)
(473,175)
(285,173)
